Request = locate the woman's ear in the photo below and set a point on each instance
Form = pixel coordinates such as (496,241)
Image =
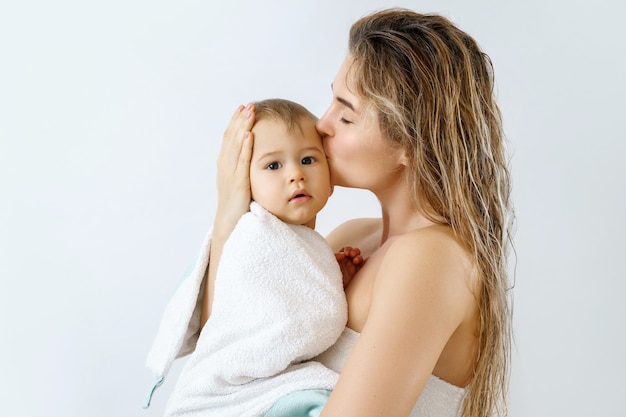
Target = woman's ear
(403,160)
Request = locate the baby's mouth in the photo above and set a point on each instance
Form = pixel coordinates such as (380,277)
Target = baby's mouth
(300,195)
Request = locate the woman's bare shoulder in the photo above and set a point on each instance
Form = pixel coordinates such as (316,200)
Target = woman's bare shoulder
(426,283)
(432,251)
(441,236)
(356,233)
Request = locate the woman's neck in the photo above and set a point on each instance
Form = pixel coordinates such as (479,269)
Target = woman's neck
(399,212)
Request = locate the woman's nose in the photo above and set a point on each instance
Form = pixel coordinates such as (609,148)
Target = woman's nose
(323,126)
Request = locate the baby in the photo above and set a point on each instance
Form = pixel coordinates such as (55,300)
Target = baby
(278,297)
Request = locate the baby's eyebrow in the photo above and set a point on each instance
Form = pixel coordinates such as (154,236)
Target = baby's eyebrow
(313,148)
(272,154)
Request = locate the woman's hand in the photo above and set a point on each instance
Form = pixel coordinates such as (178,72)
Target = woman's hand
(350,261)
(233,172)
(233,192)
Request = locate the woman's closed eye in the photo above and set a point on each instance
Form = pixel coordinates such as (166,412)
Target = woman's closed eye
(345,121)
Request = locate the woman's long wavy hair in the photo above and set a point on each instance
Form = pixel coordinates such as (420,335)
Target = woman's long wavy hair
(433,90)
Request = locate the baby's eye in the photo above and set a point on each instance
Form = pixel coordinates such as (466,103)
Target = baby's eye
(273,166)
(308,160)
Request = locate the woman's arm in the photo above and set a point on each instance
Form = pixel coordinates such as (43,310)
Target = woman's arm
(421,296)
(233,190)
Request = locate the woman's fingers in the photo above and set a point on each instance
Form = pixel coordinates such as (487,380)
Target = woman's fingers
(245,156)
(235,136)
(233,170)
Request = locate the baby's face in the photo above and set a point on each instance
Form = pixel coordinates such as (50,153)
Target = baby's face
(289,173)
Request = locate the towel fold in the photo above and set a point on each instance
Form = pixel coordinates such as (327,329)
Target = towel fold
(278,302)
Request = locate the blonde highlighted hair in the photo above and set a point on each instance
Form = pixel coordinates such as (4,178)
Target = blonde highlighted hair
(435,99)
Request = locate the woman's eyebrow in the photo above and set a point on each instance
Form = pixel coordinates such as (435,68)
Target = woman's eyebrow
(344,101)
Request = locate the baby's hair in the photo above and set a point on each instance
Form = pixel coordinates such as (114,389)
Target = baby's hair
(283,110)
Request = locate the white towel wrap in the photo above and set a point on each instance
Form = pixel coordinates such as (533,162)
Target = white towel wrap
(278,302)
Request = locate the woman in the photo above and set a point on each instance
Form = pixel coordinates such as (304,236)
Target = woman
(413,119)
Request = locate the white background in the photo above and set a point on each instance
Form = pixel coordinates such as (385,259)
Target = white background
(111,114)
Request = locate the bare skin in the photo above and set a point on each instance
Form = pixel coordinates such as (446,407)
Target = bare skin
(416,315)
(233,185)
(414,301)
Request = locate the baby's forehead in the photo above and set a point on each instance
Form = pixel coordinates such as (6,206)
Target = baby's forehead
(303,126)
(289,122)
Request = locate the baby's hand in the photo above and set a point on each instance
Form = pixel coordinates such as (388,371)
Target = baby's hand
(350,261)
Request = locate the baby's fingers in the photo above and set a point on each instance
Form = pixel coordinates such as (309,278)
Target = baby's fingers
(352,253)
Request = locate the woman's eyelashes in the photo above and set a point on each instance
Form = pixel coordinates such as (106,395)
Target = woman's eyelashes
(342,116)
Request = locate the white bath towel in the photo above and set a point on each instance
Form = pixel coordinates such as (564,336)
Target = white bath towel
(278,302)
